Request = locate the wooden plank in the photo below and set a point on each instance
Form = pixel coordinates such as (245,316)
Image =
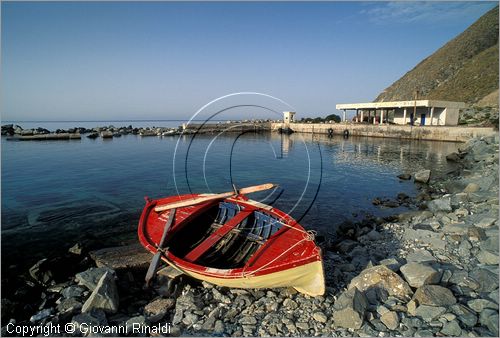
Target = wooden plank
(199,200)
(216,236)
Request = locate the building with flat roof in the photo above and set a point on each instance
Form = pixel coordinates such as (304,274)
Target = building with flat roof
(415,112)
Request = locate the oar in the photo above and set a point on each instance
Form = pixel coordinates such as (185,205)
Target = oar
(153,266)
(198,200)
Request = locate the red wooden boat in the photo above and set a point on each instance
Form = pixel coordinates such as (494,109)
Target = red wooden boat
(233,242)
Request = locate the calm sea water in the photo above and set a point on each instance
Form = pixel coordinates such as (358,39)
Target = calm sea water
(55,193)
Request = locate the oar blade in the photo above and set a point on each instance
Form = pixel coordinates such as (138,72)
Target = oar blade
(153,266)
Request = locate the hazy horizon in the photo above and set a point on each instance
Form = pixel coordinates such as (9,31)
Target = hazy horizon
(93,61)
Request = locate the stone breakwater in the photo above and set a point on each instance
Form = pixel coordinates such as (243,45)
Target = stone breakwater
(16,132)
(431,271)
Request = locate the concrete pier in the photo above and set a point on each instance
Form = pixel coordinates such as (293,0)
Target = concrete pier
(431,133)
(46,137)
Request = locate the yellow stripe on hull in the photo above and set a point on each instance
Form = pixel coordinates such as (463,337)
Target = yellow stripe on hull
(307,279)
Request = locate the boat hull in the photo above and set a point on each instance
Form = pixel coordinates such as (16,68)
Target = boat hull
(287,258)
(307,279)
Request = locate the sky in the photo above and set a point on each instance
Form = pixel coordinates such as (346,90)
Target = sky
(165,60)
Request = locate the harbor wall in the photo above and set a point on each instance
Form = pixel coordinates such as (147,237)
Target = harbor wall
(432,133)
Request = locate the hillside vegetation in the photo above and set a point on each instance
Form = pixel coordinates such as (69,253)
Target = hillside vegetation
(464,69)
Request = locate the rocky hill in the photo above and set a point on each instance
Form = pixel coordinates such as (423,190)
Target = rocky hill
(464,69)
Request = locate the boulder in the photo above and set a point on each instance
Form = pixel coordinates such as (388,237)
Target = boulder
(420,256)
(488,280)
(440,204)
(104,296)
(390,319)
(122,257)
(422,176)
(392,263)
(69,305)
(464,314)
(381,277)
(158,308)
(89,278)
(479,305)
(452,329)
(349,309)
(429,313)
(72,291)
(320,317)
(489,318)
(41,273)
(106,134)
(405,177)
(431,238)
(486,257)
(418,274)
(485,222)
(434,295)
(471,187)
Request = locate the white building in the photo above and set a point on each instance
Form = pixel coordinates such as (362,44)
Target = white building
(288,117)
(416,112)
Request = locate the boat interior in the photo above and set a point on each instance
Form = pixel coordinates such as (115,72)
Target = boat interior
(224,237)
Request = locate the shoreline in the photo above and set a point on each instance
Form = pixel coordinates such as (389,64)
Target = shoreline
(430,271)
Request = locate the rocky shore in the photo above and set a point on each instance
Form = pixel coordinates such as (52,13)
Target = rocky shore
(103,132)
(431,271)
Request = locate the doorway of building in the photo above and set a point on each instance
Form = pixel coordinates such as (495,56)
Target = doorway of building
(422,120)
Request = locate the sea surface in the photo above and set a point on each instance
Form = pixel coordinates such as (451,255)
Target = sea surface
(57,193)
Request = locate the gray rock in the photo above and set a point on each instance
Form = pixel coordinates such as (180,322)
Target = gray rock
(422,176)
(89,320)
(452,329)
(290,303)
(479,305)
(40,273)
(134,323)
(431,238)
(76,249)
(488,281)
(434,295)
(489,318)
(405,177)
(441,204)
(91,277)
(69,305)
(464,314)
(248,320)
(219,327)
(381,279)
(320,317)
(429,313)
(485,222)
(420,255)
(471,187)
(349,309)
(190,318)
(476,234)
(461,278)
(104,296)
(158,308)
(45,313)
(490,244)
(391,263)
(72,292)
(390,319)
(487,257)
(417,274)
